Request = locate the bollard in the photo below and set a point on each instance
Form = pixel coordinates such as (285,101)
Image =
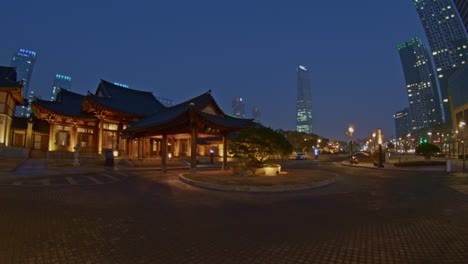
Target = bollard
(448,165)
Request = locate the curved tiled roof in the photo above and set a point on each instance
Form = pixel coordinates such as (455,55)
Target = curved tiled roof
(68,104)
(126,100)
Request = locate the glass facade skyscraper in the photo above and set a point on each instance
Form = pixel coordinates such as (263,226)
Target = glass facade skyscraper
(462,7)
(60,82)
(421,84)
(402,122)
(24,61)
(448,40)
(304,101)
(238,107)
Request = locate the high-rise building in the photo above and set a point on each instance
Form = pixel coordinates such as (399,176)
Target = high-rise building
(238,107)
(462,7)
(421,84)
(256,113)
(60,82)
(402,122)
(23,61)
(304,101)
(448,40)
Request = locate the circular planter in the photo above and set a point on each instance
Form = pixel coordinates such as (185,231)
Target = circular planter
(272,170)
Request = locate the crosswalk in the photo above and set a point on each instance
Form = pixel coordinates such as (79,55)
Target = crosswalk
(79,179)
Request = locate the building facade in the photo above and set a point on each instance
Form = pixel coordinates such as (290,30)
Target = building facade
(447,37)
(462,7)
(11,95)
(421,85)
(459,96)
(304,101)
(24,61)
(238,107)
(402,122)
(60,82)
(256,114)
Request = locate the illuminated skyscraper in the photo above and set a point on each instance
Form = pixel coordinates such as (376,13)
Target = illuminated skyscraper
(23,61)
(462,7)
(304,101)
(402,122)
(238,107)
(448,40)
(256,113)
(60,82)
(421,84)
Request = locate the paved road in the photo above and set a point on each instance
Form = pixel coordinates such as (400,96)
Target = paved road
(368,216)
(88,178)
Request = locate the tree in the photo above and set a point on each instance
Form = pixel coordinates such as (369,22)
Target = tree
(427,149)
(258,143)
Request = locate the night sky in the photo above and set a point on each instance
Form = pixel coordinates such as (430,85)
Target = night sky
(181,48)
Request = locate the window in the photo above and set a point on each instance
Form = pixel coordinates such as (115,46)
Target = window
(109,140)
(62,138)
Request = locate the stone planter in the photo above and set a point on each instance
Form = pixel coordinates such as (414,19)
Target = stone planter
(272,170)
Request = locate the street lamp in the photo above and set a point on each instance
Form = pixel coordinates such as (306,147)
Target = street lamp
(350,133)
(373,136)
(430,136)
(463,125)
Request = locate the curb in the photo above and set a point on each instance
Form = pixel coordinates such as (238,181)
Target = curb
(261,189)
(388,167)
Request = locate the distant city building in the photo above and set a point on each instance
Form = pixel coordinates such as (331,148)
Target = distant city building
(60,82)
(238,107)
(166,102)
(304,101)
(448,40)
(256,113)
(459,96)
(402,122)
(421,84)
(24,61)
(122,84)
(462,7)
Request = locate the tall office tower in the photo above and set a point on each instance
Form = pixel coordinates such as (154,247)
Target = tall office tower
(304,101)
(238,107)
(462,7)
(421,84)
(448,40)
(23,61)
(256,113)
(122,85)
(166,102)
(60,82)
(402,122)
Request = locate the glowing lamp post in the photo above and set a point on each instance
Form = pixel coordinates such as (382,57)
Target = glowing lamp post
(462,125)
(373,136)
(350,133)
(380,140)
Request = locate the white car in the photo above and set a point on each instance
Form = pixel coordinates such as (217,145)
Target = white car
(301,156)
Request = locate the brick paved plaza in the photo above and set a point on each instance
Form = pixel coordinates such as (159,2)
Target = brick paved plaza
(368,216)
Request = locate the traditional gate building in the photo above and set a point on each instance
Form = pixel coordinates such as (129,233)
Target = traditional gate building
(134,123)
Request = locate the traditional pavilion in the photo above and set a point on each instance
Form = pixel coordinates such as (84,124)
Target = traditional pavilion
(134,123)
(10,96)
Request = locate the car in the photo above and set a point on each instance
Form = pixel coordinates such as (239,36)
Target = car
(301,156)
(354,159)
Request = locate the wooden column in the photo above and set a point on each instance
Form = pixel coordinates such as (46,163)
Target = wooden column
(224,166)
(29,130)
(74,136)
(100,134)
(51,135)
(193,150)
(139,148)
(163,153)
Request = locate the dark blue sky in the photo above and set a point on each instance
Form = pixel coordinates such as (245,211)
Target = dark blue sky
(182,48)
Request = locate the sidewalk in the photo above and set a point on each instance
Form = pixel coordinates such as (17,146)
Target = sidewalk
(37,168)
(456,167)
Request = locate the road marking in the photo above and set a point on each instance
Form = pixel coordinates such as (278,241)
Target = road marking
(94,179)
(110,177)
(71,180)
(460,187)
